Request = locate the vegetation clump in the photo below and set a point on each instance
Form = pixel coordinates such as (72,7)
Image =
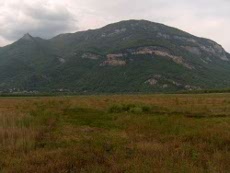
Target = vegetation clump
(130,108)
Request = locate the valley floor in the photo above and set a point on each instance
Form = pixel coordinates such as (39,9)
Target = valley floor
(123,133)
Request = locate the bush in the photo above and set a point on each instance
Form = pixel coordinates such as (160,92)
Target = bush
(136,110)
(131,108)
(116,109)
(146,108)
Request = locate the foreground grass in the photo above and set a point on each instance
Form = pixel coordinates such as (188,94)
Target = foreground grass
(159,133)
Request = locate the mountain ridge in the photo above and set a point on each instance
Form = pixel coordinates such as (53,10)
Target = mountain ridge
(108,25)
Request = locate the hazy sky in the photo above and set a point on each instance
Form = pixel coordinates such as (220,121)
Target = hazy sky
(47,18)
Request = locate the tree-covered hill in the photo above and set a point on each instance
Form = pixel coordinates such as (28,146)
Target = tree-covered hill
(128,56)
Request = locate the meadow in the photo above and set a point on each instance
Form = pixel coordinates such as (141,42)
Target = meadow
(116,134)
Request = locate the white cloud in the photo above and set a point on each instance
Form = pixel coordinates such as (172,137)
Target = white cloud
(46,18)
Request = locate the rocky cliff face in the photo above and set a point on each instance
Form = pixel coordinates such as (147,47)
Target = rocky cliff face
(128,56)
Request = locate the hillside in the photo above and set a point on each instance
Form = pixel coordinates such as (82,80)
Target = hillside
(129,56)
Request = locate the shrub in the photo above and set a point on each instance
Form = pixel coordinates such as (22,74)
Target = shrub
(136,110)
(116,109)
(146,108)
(131,108)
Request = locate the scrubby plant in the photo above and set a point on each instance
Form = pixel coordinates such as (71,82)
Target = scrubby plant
(136,110)
(130,108)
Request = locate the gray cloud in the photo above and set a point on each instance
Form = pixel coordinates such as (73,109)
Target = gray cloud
(39,19)
(46,18)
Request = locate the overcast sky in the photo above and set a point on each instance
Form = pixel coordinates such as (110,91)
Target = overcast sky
(47,18)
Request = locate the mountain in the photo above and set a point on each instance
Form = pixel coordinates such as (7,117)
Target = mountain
(128,56)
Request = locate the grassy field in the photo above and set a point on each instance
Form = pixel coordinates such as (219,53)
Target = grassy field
(116,134)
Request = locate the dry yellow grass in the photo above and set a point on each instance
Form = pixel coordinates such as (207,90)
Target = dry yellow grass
(177,133)
(15,134)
